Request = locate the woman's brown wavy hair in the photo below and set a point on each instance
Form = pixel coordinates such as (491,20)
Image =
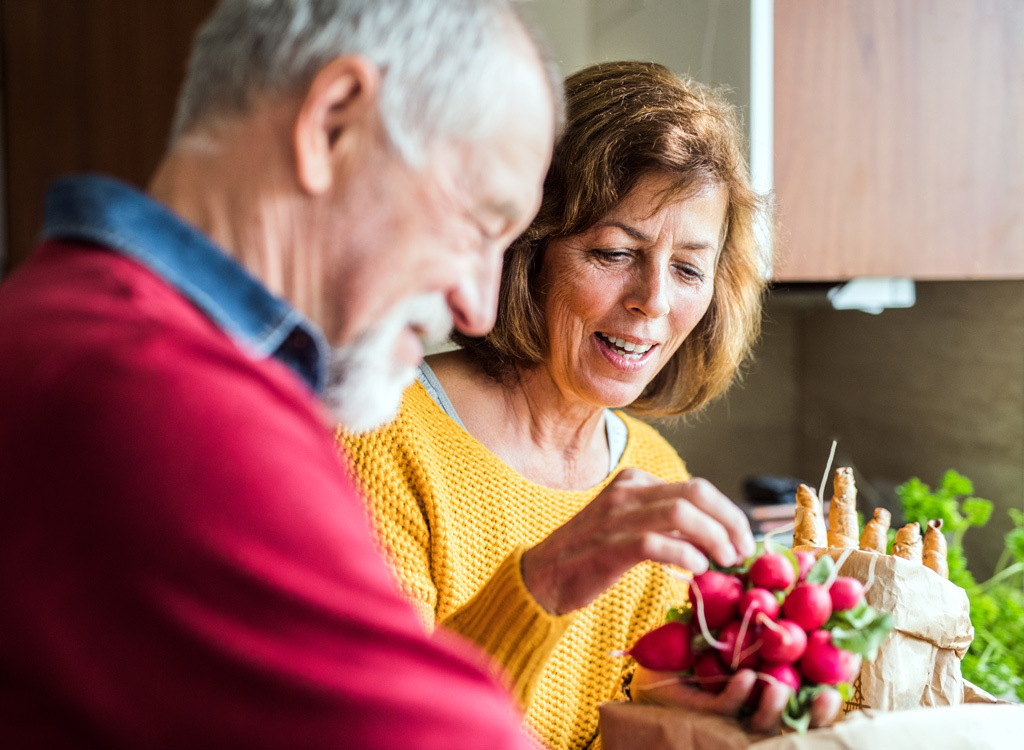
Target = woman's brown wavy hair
(628,120)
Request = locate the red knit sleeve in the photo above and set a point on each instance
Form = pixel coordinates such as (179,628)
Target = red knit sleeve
(183,563)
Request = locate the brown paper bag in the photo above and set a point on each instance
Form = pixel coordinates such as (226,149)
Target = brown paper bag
(979,726)
(919,661)
(636,726)
(974,694)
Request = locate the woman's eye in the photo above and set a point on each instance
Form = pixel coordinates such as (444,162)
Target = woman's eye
(611,255)
(689,272)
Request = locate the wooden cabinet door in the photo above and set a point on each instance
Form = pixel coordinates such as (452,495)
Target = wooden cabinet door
(87,85)
(899,138)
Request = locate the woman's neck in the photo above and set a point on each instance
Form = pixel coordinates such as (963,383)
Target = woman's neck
(528,423)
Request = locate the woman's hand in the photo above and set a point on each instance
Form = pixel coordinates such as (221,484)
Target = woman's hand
(637,517)
(666,689)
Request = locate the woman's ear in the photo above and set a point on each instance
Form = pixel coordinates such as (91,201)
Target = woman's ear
(339,104)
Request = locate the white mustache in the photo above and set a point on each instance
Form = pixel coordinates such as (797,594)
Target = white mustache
(429,314)
(365,386)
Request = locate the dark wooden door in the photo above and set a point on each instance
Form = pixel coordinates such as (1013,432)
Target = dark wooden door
(87,85)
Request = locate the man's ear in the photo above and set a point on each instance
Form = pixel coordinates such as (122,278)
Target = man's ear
(341,98)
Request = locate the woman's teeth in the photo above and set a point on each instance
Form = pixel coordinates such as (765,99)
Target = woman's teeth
(626,349)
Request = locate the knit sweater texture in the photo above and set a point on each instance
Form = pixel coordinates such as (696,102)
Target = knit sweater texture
(454,520)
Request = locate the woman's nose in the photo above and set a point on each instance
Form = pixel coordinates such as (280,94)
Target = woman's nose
(649,293)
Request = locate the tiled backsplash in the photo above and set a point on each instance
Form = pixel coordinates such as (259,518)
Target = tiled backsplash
(910,392)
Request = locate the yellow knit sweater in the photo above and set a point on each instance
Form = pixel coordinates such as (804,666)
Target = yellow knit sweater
(454,521)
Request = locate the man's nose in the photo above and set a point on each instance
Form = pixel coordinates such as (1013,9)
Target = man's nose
(474,300)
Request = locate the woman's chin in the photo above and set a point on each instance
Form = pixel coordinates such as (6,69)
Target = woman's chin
(613,397)
(616,389)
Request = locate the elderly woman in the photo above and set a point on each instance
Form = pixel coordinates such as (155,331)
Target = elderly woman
(516,506)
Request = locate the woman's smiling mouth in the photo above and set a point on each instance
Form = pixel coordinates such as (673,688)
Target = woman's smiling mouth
(622,349)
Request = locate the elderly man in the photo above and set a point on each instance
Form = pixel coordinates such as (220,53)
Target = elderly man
(183,560)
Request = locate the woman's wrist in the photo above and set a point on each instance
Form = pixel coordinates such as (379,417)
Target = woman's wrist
(539,584)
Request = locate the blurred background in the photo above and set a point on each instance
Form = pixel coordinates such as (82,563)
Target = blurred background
(890,132)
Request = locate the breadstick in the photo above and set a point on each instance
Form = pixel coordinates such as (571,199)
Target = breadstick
(842,511)
(935,548)
(809,521)
(874,538)
(908,543)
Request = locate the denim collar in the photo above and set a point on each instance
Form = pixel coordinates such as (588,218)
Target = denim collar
(111,213)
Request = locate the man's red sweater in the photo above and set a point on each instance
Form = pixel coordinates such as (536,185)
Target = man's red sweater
(183,561)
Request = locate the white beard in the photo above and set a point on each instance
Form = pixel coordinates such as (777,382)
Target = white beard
(364,382)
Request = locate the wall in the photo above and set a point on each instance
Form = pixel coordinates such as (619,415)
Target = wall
(706,39)
(906,393)
(754,428)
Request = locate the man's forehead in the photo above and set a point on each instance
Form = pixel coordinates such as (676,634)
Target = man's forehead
(495,172)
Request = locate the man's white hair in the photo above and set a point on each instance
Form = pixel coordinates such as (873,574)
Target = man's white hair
(442,61)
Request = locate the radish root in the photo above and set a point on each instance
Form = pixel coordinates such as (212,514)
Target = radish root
(871,574)
(737,656)
(658,684)
(828,467)
(765,620)
(773,680)
(775,532)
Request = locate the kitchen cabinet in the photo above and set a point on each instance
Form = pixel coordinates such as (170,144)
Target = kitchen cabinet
(899,139)
(894,128)
(87,85)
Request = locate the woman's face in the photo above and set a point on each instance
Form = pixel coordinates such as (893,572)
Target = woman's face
(621,297)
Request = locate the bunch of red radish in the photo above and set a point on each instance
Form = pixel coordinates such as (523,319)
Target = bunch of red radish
(788,617)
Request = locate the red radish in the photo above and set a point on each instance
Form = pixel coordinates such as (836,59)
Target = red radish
(784,673)
(809,605)
(826,664)
(782,642)
(664,649)
(711,673)
(772,571)
(760,600)
(739,654)
(805,561)
(718,595)
(777,672)
(846,593)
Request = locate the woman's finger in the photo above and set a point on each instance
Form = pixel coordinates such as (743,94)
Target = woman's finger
(737,690)
(768,716)
(670,550)
(825,708)
(712,501)
(679,518)
(705,497)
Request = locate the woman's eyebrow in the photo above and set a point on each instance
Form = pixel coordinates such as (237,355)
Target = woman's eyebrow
(633,232)
(636,234)
(697,245)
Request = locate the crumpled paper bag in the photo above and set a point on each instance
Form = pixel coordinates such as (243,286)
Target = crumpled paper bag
(979,726)
(918,663)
